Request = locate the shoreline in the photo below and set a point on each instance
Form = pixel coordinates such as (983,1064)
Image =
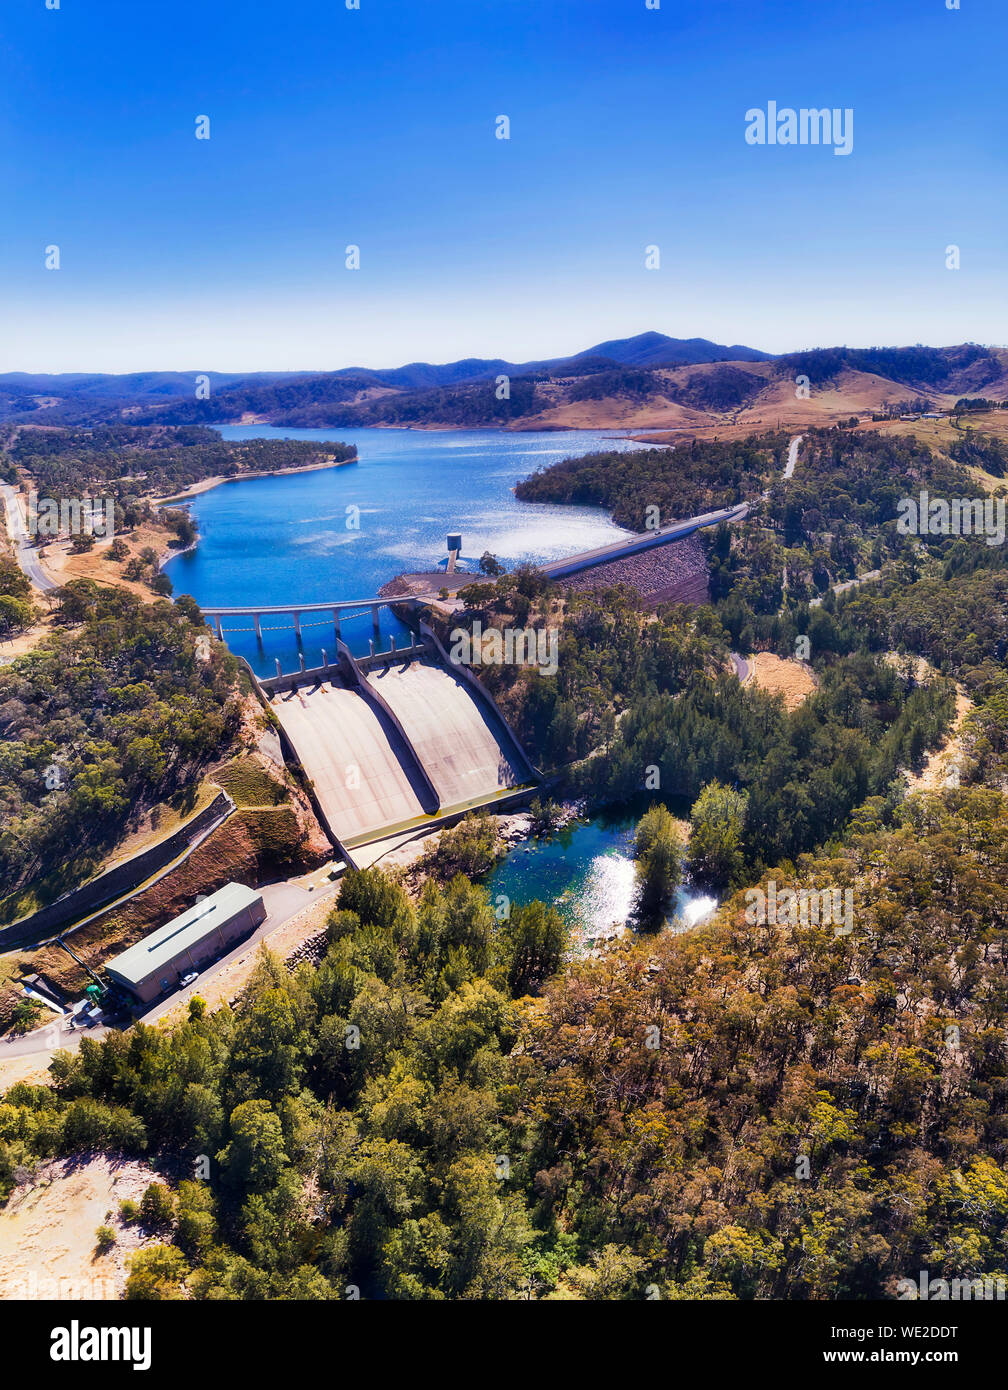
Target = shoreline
(440,428)
(208,484)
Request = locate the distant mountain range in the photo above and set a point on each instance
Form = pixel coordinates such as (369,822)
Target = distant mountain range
(647,381)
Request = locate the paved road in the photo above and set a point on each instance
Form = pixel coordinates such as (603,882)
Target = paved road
(23,550)
(842,588)
(282,901)
(739,662)
(792,455)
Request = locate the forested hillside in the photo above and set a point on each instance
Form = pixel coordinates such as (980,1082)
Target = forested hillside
(114,711)
(736,1112)
(693,478)
(150,461)
(672,380)
(939,368)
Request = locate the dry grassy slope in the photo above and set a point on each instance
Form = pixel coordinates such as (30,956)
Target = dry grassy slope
(254,845)
(851,393)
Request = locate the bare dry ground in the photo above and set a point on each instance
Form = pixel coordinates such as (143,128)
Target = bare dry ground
(24,642)
(61,564)
(47,1229)
(792,679)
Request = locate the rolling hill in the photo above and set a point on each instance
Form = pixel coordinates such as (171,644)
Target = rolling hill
(647,382)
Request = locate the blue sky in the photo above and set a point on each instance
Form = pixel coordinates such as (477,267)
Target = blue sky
(376,127)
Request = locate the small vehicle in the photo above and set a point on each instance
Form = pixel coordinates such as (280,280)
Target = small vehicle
(188,979)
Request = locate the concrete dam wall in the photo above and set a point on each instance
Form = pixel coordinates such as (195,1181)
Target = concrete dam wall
(362,771)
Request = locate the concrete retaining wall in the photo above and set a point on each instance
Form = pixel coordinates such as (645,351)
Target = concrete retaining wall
(113,884)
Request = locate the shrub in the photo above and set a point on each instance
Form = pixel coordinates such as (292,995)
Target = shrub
(157,1205)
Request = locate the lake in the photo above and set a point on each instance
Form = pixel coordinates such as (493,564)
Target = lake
(285,539)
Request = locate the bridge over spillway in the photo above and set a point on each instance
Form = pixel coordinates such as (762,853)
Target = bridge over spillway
(351,607)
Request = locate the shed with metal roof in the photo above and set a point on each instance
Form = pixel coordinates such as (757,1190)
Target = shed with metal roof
(155,965)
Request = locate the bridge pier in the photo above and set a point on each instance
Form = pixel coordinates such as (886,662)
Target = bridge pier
(356,608)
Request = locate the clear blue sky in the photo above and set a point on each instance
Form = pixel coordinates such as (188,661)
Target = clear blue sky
(376,127)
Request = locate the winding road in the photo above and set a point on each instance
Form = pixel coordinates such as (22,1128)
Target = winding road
(739,662)
(22,543)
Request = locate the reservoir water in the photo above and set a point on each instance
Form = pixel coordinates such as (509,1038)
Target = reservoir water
(285,539)
(586,872)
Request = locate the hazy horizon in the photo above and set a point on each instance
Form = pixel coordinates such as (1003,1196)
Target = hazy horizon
(429,361)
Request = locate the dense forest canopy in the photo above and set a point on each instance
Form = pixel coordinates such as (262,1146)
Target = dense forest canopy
(735,1112)
(143,460)
(689,479)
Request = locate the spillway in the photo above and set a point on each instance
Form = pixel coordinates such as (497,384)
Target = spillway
(362,770)
(465,751)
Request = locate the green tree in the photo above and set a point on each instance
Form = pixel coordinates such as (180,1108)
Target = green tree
(532,945)
(717,820)
(255,1158)
(490,565)
(156,1272)
(658,851)
(157,1206)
